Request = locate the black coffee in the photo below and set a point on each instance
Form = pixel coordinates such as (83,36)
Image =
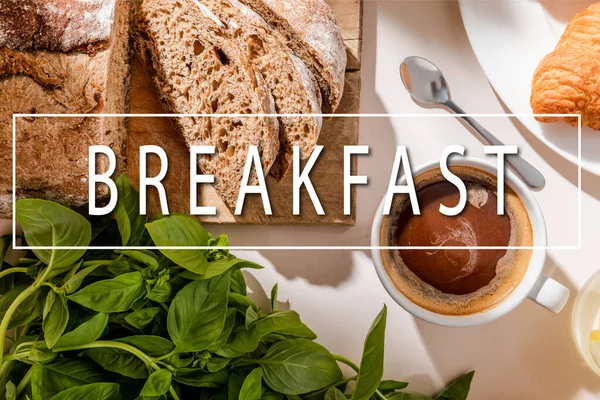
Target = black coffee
(457,281)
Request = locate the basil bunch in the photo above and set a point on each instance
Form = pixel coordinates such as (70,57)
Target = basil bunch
(177,324)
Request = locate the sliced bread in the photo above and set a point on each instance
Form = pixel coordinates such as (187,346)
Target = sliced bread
(309,28)
(292,85)
(199,68)
(57,57)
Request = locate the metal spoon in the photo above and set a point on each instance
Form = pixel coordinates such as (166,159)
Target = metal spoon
(427,85)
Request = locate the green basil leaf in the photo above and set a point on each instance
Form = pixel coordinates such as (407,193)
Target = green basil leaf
(119,361)
(64,373)
(216,364)
(225,333)
(92,391)
(154,346)
(141,318)
(139,303)
(248,340)
(87,332)
(273,338)
(10,391)
(74,283)
(111,295)
(72,271)
(221,241)
(252,387)
(144,257)
(198,378)
(197,314)
(221,266)
(251,317)
(390,386)
(181,230)
(297,331)
(123,223)
(161,292)
(127,213)
(46,224)
(9,297)
(334,393)
(298,366)
(371,365)
(238,283)
(157,384)
(241,302)
(274,297)
(56,317)
(50,298)
(458,389)
(28,311)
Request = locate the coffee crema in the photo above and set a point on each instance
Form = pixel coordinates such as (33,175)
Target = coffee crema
(457,282)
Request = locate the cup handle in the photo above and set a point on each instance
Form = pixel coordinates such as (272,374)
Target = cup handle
(549,294)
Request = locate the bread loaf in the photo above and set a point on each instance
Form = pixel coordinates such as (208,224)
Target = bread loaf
(308,27)
(56,57)
(292,85)
(200,69)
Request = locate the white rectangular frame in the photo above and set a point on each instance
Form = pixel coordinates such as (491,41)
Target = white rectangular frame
(258,248)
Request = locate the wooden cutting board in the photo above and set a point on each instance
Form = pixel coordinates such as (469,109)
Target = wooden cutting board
(327,174)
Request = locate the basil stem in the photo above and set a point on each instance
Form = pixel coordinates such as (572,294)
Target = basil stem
(12,271)
(344,360)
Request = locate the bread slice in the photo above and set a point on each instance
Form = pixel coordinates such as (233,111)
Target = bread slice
(309,28)
(56,57)
(292,85)
(200,69)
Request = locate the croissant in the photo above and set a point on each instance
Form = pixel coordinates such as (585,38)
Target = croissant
(567,81)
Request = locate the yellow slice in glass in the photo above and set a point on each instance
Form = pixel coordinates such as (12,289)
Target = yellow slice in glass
(595,346)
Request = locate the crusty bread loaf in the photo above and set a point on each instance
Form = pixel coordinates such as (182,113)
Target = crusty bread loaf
(309,28)
(200,69)
(292,85)
(56,57)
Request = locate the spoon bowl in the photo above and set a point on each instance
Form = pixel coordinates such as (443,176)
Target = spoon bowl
(424,81)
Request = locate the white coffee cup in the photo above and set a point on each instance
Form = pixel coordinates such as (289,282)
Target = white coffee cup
(534,285)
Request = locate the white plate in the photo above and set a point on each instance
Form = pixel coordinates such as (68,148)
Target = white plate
(509,38)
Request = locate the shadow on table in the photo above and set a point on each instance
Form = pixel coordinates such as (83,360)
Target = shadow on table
(538,347)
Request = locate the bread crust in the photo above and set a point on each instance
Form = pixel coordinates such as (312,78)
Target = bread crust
(567,81)
(56,25)
(309,28)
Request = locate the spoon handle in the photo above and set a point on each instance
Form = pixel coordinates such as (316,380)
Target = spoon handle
(527,172)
